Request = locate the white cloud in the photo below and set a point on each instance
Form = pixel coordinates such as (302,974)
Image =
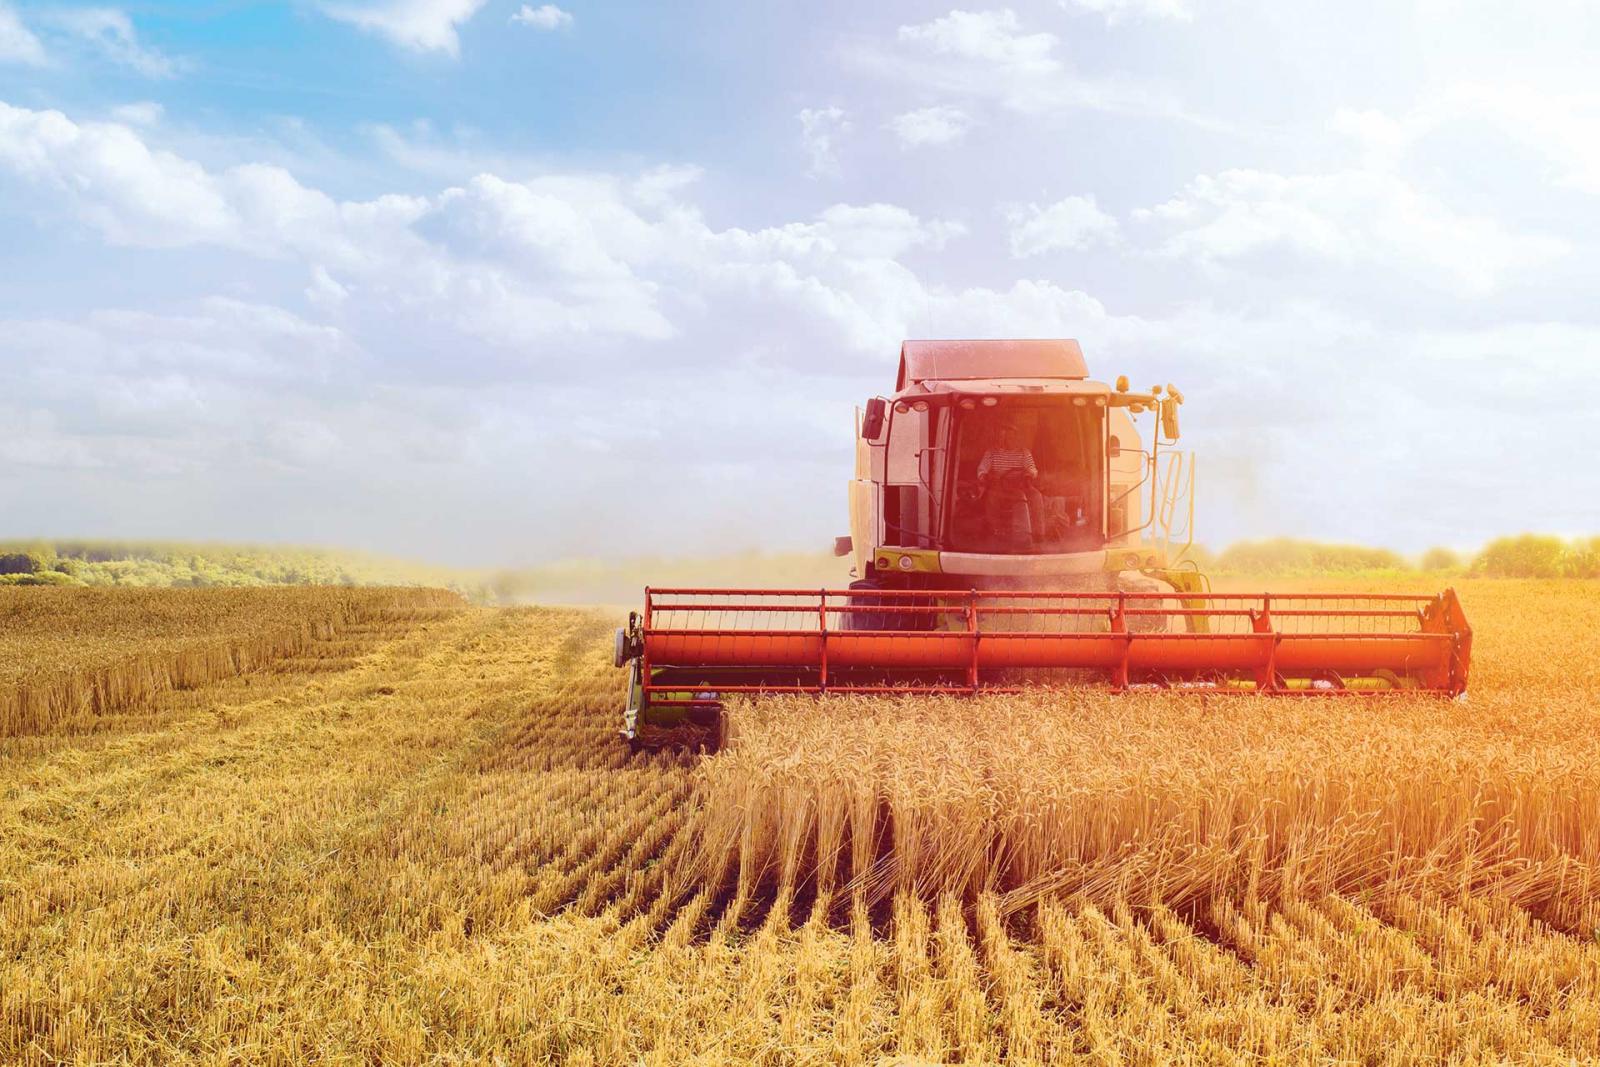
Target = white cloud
(874,231)
(139,113)
(930,126)
(547,256)
(1350,218)
(512,263)
(420,148)
(993,36)
(1117,10)
(991,56)
(135,195)
(544,17)
(660,186)
(1562,125)
(324,289)
(418,25)
(111,32)
(231,386)
(166,393)
(113,181)
(228,399)
(1075,222)
(17,42)
(819,129)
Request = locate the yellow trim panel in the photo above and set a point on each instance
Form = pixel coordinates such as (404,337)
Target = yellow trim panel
(906,560)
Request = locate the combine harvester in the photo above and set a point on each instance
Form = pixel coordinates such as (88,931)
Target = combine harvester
(1011,529)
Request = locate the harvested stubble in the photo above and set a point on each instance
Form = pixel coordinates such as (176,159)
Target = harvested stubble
(442,855)
(1176,799)
(71,656)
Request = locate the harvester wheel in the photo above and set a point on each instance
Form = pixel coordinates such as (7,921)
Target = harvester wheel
(860,597)
(886,617)
(1138,582)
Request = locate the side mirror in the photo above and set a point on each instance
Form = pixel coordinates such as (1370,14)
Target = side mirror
(1169,416)
(843,546)
(1114,447)
(872,420)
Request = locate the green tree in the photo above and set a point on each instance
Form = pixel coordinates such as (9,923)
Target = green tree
(1439,558)
(1523,556)
(1582,559)
(1287,556)
(20,563)
(40,577)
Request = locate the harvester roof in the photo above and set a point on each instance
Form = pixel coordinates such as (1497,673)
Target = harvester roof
(931,361)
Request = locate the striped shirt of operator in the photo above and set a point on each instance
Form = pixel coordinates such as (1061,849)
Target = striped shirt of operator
(1006,460)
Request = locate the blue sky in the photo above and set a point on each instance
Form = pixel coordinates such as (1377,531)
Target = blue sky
(478,280)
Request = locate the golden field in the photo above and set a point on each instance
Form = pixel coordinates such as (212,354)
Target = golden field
(1184,799)
(413,838)
(71,656)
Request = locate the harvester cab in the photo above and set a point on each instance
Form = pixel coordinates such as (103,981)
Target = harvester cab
(998,464)
(1011,527)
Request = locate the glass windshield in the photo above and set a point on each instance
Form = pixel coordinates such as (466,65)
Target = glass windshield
(1028,478)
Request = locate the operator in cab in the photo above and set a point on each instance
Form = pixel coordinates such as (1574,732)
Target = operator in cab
(1008,481)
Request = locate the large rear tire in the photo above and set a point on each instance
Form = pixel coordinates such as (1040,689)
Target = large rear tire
(1138,582)
(887,617)
(861,597)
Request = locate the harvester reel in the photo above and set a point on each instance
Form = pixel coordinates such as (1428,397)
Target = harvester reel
(1178,640)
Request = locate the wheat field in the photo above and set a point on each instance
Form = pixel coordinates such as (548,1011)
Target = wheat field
(70,657)
(413,838)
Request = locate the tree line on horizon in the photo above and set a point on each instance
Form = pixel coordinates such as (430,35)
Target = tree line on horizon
(183,564)
(177,564)
(1520,556)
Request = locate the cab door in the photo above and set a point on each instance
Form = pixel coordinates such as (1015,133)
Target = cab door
(912,468)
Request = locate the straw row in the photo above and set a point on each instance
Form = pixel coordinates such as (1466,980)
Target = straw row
(69,657)
(1077,795)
